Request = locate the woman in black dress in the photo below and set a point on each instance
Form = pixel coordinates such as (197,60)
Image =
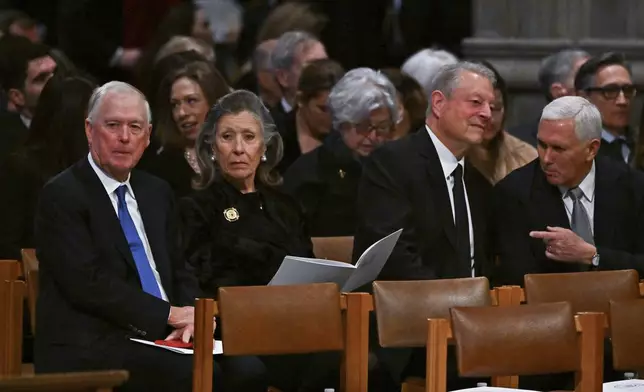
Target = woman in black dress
(237,229)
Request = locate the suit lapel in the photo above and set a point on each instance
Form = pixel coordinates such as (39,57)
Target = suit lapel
(105,210)
(606,205)
(154,225)
(437,186)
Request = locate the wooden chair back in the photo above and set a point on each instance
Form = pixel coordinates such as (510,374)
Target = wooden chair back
(10,270)
(266,320)
(627,334)
(586,291)
(518,340)
(30,272)
(403,307)
(12,295)
(103,381)
(333,248)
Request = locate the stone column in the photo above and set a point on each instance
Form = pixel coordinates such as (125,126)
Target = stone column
(515,35)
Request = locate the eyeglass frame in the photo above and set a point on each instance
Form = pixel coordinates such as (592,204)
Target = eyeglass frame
(608,90)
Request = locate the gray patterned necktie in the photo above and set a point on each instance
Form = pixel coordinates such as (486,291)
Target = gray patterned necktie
(580,223)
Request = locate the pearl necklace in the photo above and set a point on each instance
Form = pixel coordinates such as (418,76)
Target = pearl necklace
(191,158)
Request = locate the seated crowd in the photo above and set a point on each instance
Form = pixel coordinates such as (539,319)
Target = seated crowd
(140,199)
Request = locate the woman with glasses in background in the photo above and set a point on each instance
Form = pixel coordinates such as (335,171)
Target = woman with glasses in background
(364,112)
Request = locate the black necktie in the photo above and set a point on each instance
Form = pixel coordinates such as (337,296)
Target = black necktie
(462,223)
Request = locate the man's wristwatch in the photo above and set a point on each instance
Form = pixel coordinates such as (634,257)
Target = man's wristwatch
(595,260)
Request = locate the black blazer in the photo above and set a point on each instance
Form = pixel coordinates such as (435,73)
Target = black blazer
(325,182)
(90,299)
(235,239)
(13,134)
(403,186)
(171,165)
(525,201)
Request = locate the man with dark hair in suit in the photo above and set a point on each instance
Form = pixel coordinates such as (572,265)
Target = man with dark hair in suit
(606,81)
(25,68)
(422,184)
(571,210)
(109,267)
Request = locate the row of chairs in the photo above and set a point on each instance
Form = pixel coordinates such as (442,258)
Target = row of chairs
(310,318)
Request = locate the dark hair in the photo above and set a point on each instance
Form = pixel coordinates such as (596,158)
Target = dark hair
(413,95)
(15,54)
(212,84)
(291,16)
(319,76)
(151,83)
(57,133)
(585,77)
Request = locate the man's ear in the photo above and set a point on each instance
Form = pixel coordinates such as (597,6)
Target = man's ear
(437,102)
(281,76)
(16,97)
(593,148)
(558,90)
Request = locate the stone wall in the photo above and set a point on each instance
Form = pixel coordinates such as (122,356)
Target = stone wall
(515,35)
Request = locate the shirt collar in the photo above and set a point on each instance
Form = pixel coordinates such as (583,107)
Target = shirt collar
(286,106)
(587,185)
(447,159)
(109,183)
(609,137)
(26,120)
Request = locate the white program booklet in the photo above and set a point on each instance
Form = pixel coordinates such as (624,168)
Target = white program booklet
(303,270)
(218,347)
(624,385)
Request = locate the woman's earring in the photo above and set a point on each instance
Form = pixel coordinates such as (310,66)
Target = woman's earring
(212,157)
(263,158)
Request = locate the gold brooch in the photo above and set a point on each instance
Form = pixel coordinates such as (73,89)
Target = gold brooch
(231,214)
(342,173)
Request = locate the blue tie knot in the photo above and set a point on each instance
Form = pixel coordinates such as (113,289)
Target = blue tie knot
(120,193)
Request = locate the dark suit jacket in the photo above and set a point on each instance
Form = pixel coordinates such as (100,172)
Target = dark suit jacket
(525,201)
(325,182)
(13,134)
(90,299)
(403,186)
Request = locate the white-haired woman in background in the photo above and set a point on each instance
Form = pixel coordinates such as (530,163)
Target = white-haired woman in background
(364,112)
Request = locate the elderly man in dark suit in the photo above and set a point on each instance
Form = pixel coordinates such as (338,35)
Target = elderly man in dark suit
(570,210)
(109,269)
(422,183)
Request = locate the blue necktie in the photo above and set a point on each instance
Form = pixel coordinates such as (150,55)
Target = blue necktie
(146,275)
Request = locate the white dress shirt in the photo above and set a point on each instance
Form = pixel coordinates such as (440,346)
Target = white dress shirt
(609,137)
(286,106)
(110,186)
(448,163)
(587,186)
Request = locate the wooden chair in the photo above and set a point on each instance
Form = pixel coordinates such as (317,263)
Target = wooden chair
(627,334)
(263,320)
(10,270)
(103,381)
(333,248)
(12,294)
(586,291)
(30,272)
(523,340)
(402,309)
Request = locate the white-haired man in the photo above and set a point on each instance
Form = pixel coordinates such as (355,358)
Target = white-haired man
(569,210)
(109,269)
(425,64)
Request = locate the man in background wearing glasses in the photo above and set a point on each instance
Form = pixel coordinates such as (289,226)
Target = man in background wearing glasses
(606,81)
